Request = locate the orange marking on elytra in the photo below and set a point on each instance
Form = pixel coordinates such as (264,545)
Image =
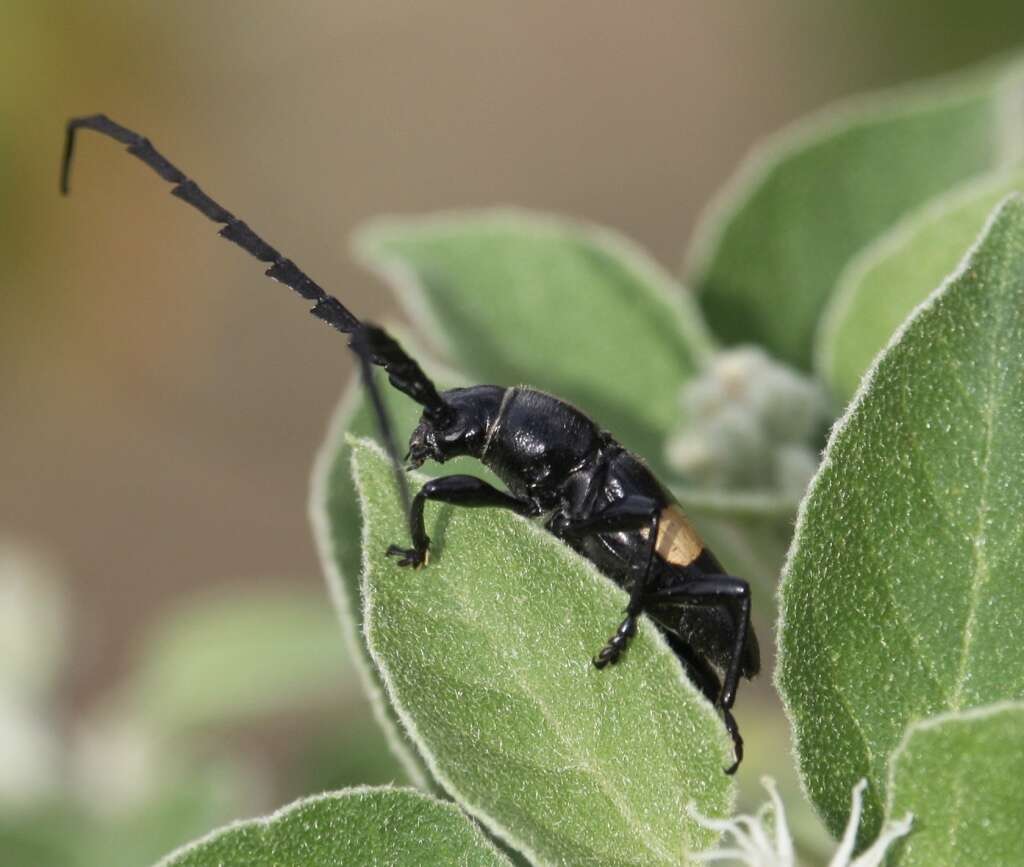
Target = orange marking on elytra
(677,543)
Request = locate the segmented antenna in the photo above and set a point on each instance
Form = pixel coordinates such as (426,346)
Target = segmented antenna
(362,340)
(325,307)
(404,373)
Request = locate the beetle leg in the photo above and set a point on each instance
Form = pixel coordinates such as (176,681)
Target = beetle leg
(617,644)
(459,491)
(737,740)
(613,649)
(629,513)
(712,590)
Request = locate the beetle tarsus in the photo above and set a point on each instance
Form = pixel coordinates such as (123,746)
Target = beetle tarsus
(413,557)
(617,644)
(737,741)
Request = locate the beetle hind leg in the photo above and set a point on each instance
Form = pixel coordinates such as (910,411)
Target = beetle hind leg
(718,590)
(737,739)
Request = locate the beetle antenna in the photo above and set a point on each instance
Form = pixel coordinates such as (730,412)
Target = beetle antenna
(325,307)
(363,339)
(403,372)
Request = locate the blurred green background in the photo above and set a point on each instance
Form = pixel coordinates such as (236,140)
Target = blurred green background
(160,402)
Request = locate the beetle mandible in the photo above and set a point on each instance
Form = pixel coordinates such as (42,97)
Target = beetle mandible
(557,464)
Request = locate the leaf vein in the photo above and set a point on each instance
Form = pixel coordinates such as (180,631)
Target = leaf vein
(981,567)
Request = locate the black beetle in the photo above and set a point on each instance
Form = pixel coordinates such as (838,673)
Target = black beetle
(595,495)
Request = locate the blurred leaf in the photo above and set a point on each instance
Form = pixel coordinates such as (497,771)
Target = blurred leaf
(334,512)
(354,827)
(352,752)
(42,836)
(31,753)
(960,775)
(574,309)
(486,657)
(238,654)
(881,287)
(203,797)
(72,833)
(902,585)
(768,253)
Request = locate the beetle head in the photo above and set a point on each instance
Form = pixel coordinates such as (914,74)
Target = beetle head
(460,427)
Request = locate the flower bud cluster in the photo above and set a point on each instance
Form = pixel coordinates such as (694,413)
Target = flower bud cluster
(749,423)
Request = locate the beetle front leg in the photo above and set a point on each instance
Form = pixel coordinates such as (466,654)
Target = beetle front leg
(459,491)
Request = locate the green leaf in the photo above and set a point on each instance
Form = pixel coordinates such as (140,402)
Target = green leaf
(903,584)
(334,513)
(353,827)
(486,657)
(574,309)
(960,775)
(237,654)
(767,256)
(882,285)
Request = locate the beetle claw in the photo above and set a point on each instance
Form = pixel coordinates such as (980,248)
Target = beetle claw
(608,655)
(409,556)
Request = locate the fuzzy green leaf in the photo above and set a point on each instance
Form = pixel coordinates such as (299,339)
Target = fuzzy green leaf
(354,827)
(577,310)
(486,657)
(767,256)
(334,513)
(903,581)
(882,285)
(962,777)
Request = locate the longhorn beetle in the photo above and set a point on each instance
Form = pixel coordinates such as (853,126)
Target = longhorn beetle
(593,494)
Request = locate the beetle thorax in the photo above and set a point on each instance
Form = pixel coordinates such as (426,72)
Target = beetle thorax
(537,443)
